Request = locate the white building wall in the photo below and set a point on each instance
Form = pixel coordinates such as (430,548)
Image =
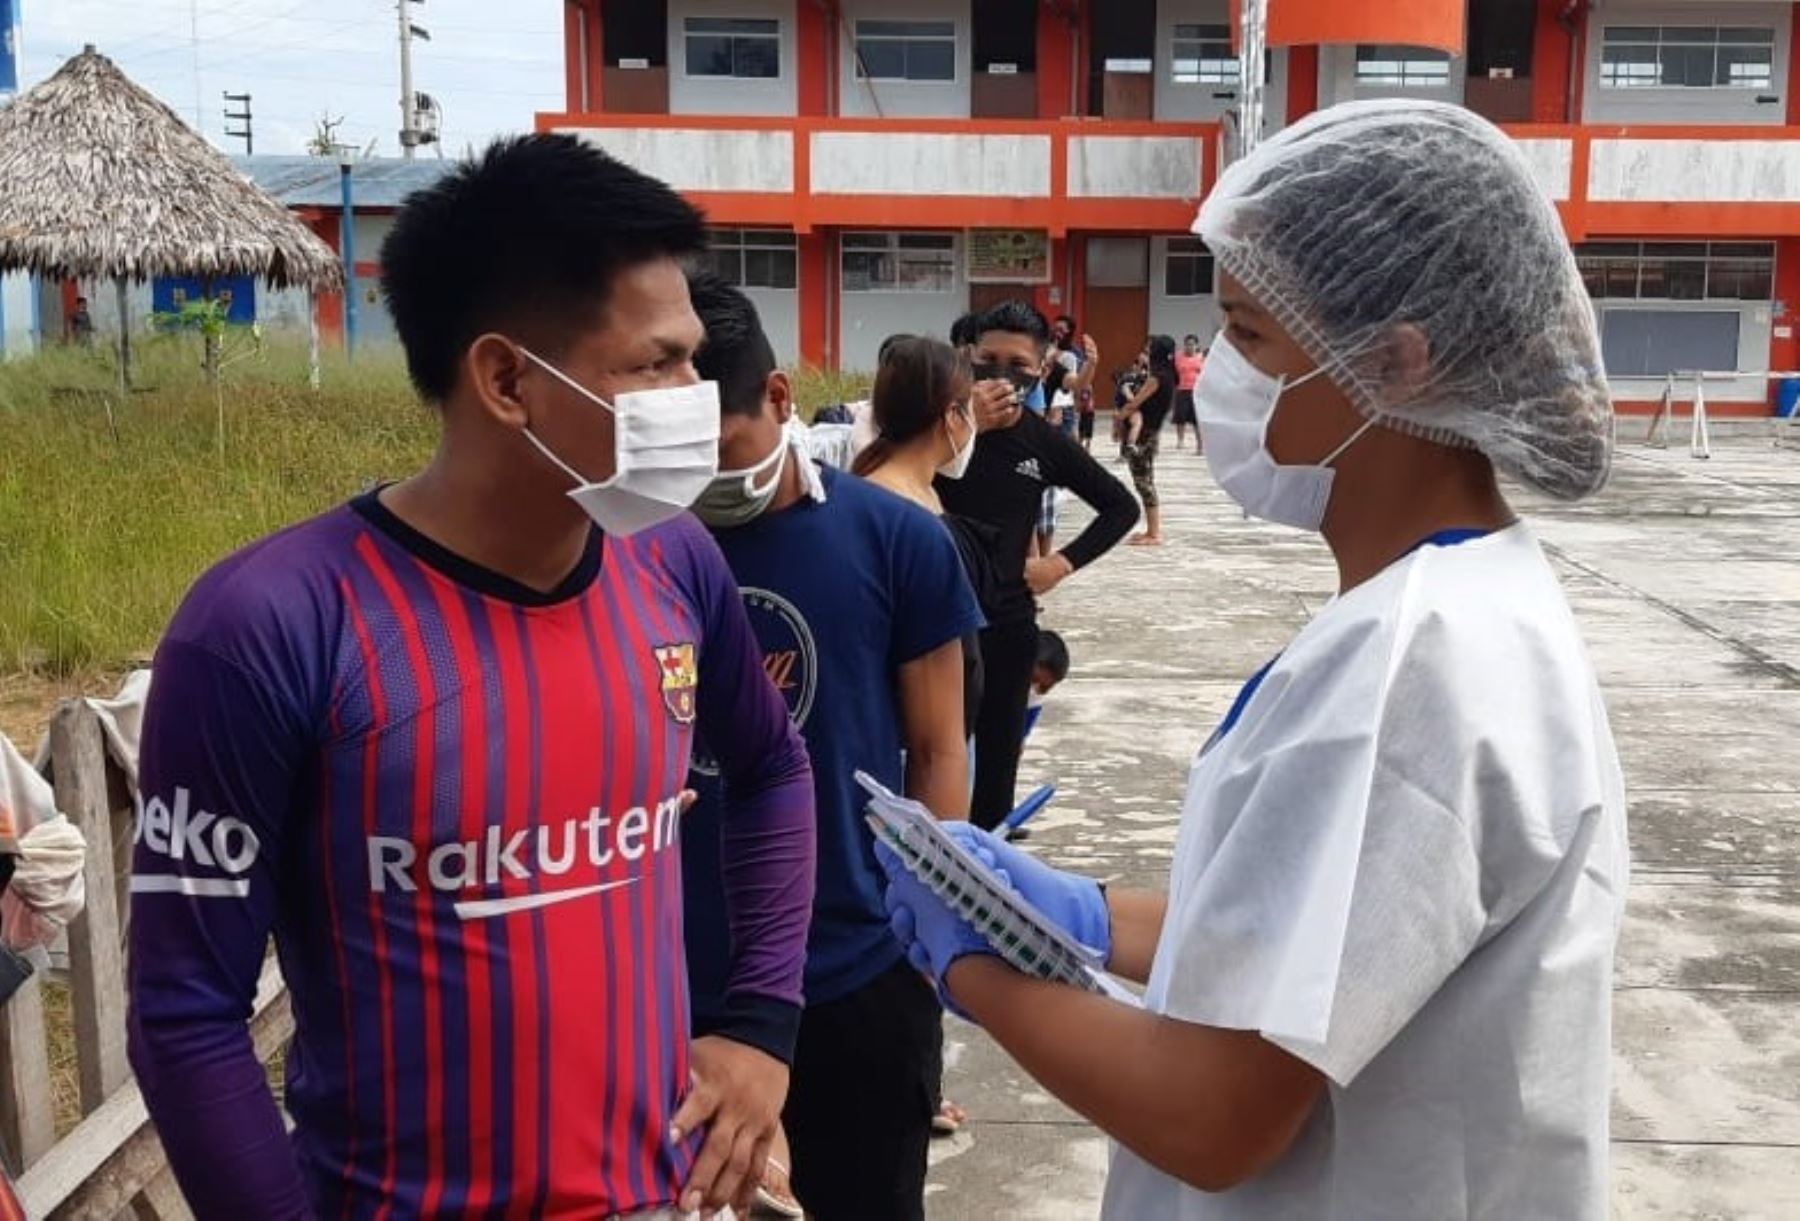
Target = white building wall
(724,95)
(867,318)
(1694,171)
(1208,103)
(930,163)
(892,99)
(1178,316)
(1337,81)
(1683,105)
(695,159)
(779,309)
(18,316)
(1136,167)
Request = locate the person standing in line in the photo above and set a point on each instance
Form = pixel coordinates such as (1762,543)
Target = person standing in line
(859,602)
(1144,415)
(1004,489)
(436,741)
(81,324)
(1068,381)
(1188,364)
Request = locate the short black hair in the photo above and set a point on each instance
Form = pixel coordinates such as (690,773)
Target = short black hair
(1060,318)
(1053,655)
(962,331)
(736,352)
(530,235)
(1015,317)
(1192,336)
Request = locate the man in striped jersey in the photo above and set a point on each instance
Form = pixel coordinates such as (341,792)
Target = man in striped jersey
(436,742)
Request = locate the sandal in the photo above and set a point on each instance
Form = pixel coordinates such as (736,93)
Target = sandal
(773,1195)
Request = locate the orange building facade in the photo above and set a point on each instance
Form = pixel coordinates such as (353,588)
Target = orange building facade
(870,168)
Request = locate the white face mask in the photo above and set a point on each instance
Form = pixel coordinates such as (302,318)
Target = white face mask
(960,457)
(665,452)
(735,498)
(1234,402)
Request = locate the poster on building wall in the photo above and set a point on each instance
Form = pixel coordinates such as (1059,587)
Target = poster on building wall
(9,50)
(1009,256)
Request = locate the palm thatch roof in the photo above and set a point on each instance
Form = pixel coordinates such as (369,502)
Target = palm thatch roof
(99,179)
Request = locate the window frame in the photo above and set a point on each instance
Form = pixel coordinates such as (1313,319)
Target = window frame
(742,242)
(1623,82)
(1208,34)
(954,37)
(1612,265)
(687,34)
(895,249)
(1189,251)
(1406,58)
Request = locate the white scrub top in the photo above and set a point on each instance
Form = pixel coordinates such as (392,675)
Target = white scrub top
(1406,865)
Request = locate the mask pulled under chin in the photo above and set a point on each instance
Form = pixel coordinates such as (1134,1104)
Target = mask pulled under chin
(739,497)
(1234,402)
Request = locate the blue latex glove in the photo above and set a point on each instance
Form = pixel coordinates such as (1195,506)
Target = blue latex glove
(1075,904)
(933,936)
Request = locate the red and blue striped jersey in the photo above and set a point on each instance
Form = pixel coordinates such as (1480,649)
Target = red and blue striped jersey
(455,803)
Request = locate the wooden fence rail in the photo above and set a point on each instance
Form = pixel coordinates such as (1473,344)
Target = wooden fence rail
(111,1165)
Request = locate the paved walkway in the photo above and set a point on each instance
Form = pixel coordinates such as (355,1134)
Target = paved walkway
(1688,585)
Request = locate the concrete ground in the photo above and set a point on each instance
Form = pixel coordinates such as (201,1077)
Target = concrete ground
(1689,590)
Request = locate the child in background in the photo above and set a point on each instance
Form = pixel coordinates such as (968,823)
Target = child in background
(1051,668)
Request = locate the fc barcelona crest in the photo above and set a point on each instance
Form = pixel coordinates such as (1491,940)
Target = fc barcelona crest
(680,680)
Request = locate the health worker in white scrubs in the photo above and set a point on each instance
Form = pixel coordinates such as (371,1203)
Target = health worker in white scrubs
(1379,982)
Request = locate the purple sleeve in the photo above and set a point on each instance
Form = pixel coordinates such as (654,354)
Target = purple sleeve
(769,828)
(219,762)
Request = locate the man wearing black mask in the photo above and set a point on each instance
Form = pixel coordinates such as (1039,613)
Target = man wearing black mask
(1012,468)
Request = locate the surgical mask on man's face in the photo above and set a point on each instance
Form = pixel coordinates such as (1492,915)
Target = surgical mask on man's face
(736,498)
(665,452)
(1234,402)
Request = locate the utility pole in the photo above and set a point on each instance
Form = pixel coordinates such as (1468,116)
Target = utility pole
(246,132)
(411,133)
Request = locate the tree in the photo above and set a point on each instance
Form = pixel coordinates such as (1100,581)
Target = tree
(324,142)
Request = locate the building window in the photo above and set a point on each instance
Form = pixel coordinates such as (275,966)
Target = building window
(1636,342)
(747,48)
(1202,55)
(899,262)
(1188,270)
(1678,271)
(906,50)
(753,258)
(1387,67)
(1687,57)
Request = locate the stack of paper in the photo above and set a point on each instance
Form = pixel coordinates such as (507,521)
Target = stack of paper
(1018,932)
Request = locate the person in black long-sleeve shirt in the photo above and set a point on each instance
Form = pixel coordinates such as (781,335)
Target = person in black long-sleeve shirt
(1004,488)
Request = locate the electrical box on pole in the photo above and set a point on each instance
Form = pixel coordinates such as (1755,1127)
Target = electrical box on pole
(414,106)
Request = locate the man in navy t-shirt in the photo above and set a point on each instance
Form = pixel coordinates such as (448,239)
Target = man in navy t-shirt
(860,603)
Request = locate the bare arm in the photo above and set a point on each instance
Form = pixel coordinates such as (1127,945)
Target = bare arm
(1211,1107)
(931,715)
(1137,920)
(1150,387)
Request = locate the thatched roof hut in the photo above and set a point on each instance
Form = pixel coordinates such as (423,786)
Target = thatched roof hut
(100,180)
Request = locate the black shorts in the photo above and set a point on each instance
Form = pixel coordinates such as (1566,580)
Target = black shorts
(1084,424)
(859,1108)
(1184,408)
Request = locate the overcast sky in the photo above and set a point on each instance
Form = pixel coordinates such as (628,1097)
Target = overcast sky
(491,64)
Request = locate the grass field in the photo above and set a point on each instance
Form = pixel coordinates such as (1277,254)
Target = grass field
(103,526)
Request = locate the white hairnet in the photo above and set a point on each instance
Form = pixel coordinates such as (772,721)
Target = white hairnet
(1372,215)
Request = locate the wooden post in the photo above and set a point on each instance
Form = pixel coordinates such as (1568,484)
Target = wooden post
(96,962)
(312,338)
(27,1120)
(124,340)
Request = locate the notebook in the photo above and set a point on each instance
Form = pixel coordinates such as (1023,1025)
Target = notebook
(1018,932)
